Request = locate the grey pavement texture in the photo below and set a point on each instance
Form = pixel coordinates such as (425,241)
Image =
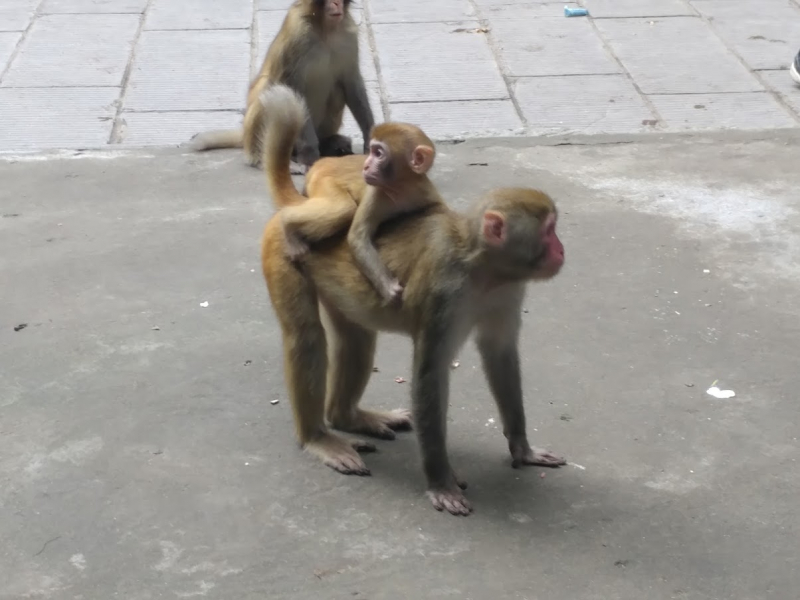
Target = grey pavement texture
(93,73)
(141,457)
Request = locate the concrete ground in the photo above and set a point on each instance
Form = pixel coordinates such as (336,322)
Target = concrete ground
(141,456)
(91,73)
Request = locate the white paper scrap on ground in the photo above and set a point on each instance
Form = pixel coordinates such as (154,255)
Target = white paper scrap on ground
(720,394)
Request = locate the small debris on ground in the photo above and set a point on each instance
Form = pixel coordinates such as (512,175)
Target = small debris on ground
(689,384)
(20,327)
(718,393)
(204,304)
(621,563)
(566,417)
(479,164)
(706,271)
(155,328)
(375,369)
(542,474)
(454,364)
(399,380)
(274,402)
(247,363)
(575,12)
(577,466)
(465,30)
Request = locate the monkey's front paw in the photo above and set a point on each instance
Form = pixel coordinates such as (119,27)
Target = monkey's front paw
(340,454)
(523,455)
(336,145)
(393,292)
(297,169)
(379,424)
(453,501)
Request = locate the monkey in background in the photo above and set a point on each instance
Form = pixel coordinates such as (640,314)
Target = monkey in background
(316,54)
(463,272)
(394,181)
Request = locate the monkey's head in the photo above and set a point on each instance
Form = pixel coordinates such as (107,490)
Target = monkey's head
(332,11)
(399,154)
(518,234)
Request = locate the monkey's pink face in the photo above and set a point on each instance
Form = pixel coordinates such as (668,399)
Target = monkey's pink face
(553,250)
(334,11)
(377,166)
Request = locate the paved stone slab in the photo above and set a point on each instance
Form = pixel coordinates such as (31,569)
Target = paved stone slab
(366,59)
(409,11)
(448,120)
(463,68)
(16,15)
(213,72)
(637,8)
(8,41)
(92,6)
(173,128)
(765,34)
(752,110)
(488,3)
(781,82)
(528,10)
(39,118)
(586,103)
(676,55)
(531,46)
(267,25)
(74,50)
(201,14)
(281,5)
(269,22)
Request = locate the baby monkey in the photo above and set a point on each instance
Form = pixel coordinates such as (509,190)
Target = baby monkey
(393,181)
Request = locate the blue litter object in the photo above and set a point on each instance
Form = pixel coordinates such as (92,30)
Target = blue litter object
(575,12)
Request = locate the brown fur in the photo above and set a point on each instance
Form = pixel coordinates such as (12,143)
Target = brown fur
(462,273)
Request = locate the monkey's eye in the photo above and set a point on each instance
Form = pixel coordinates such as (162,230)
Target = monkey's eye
(377,151)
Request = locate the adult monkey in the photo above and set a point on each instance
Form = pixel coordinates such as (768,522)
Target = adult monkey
(316,54)
(461,272)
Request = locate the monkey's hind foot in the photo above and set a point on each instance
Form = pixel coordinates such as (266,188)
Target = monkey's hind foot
(523,455)
(340,454)
(379,424)
(453,501)
(295,248)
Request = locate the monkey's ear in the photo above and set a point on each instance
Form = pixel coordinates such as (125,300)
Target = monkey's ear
(494,228)
(421,159)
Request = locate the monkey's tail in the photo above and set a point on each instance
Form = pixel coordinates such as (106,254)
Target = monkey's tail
(219,138)
(285,116)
